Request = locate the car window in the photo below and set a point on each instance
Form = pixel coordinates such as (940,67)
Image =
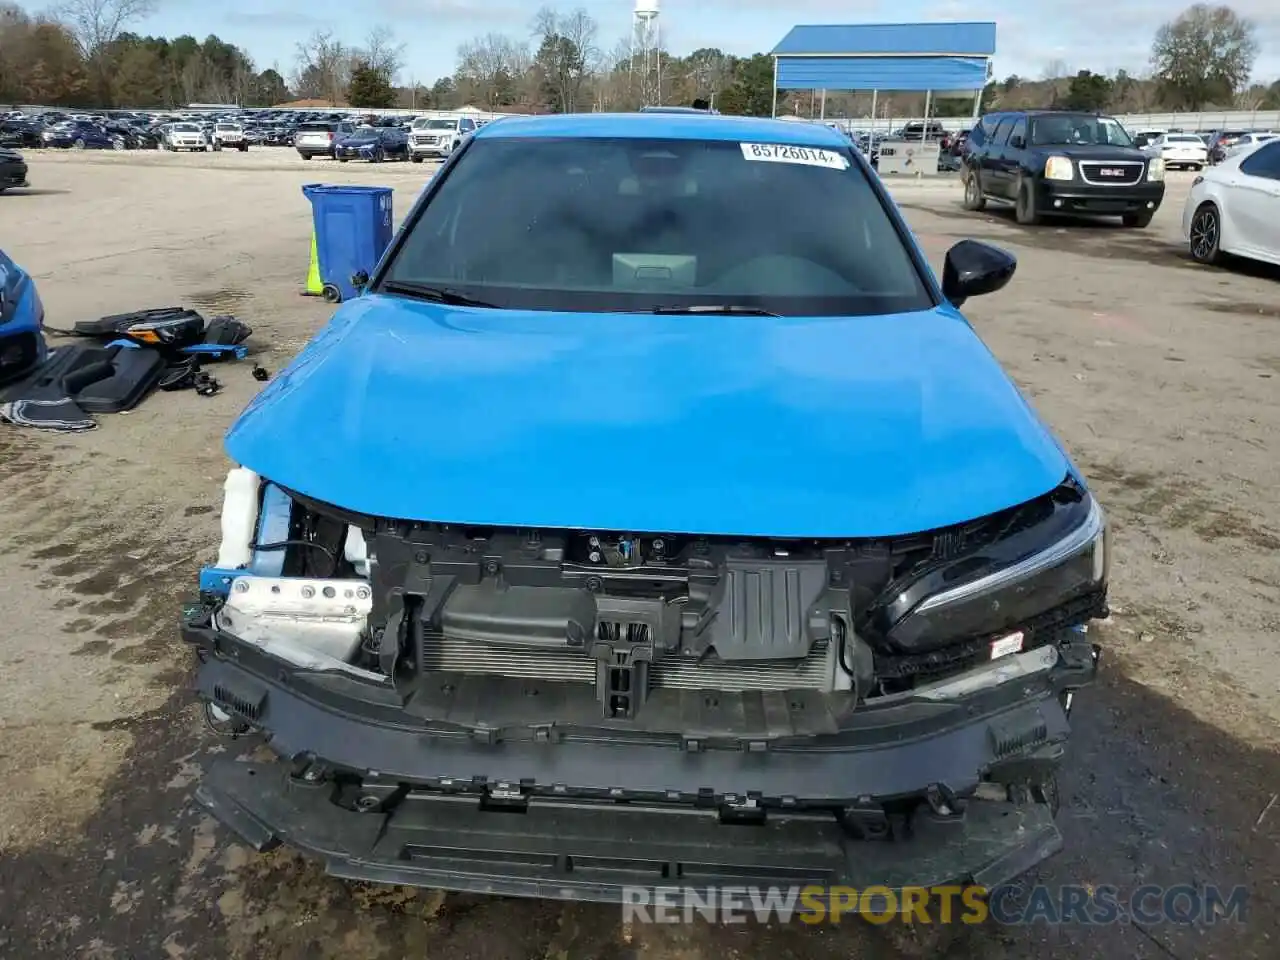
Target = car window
(315,128)
(1019,130)
(468,125)
(1263,162)
(1084,128)
(1002,132)
(977,136)
(604,224)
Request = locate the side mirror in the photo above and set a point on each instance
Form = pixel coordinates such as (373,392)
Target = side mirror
(973,268)
(1018,143)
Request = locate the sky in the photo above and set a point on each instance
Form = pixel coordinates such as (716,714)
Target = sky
(1029,37)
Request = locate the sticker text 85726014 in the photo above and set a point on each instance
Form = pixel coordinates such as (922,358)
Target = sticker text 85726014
(786,153)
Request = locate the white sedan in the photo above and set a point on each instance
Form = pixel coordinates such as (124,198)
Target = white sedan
(1234,208)
(1179,150)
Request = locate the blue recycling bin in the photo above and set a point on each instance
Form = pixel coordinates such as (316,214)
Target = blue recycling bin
(352,229)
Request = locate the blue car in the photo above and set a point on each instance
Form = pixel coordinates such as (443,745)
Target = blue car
(374,144)
(657,490)
(81,135)
(22,345)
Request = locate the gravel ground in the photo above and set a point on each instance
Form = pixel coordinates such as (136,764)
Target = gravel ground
(1160,377)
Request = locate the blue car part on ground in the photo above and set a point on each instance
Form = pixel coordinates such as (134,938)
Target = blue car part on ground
(353,227)
(744,594)
(22,344)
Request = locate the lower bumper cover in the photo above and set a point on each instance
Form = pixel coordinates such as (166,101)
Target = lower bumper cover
(1077,198)
(583,851)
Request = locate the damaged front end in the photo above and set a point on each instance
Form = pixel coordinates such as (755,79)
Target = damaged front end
(654,709)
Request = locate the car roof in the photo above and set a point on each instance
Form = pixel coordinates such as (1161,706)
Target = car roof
(664,126)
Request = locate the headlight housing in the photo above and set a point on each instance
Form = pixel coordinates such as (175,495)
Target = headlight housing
(1059,168)
(1155,169)
(1061,556)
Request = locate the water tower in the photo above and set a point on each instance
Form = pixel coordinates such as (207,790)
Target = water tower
(646,52)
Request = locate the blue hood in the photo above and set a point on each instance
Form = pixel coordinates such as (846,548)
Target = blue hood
(738,425)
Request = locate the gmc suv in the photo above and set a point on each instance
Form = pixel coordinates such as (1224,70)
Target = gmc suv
(1049,162)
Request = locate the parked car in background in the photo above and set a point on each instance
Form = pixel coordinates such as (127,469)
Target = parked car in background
(184,136)
(316,138)
(229,136)
(1049,162)
(1223,141)
(1179,150)
(1250,140)
(13,169)
(374,144)
(80,135)
(925,130)
(1234,207)
(20,132)
(437,137)
(1144,138)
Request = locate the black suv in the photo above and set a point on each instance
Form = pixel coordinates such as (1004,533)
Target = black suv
(1056,162)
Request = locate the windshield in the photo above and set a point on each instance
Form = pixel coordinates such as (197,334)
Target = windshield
(1183,138)
(185,128)
(1078,128)
(435,124)
(587,225)
(315,128)
(228,126)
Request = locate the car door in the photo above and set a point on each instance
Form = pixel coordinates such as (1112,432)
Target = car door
(1253,203)
(994,175)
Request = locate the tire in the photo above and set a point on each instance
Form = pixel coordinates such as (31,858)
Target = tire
(342,159)
(973,198)
(1197,167)
(331,293)
(305,156)
(117,145)
(1025,208)
(78,144)
(415,159)
(244,148)
(1137,221)
(1204,242)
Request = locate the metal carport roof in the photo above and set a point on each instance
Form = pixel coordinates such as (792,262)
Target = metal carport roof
(942,57)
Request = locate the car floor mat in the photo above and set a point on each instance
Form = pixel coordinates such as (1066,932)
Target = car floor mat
(93,379)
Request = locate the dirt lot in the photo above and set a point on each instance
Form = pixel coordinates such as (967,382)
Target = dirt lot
(1161,378)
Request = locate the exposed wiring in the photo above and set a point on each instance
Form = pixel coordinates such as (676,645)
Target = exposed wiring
(286,544)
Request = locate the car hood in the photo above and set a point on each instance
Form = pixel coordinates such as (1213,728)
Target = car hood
(736,425)
(1091,151)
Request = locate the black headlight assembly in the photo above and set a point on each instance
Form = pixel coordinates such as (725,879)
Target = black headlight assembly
(1000,574)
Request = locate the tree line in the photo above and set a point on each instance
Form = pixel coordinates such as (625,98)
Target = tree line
(84,54)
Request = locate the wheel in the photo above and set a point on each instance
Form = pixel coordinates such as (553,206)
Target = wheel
(117,144)
(331,293)
(342,159)
(79,143)
(1197,167)
(1025,211)
(973,198)
(1137,220)
(1205,234)
(416,159)
(244,147)
(305,156)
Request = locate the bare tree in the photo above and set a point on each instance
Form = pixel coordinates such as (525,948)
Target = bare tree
(490,66)
(323,67)
(567,54)
(1205,56)
(382,53)
(95,25)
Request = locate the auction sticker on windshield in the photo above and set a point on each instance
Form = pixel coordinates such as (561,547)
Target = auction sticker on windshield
(785,153)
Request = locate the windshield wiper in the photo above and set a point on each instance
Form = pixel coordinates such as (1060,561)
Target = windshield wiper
(424,291)
(743,308)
